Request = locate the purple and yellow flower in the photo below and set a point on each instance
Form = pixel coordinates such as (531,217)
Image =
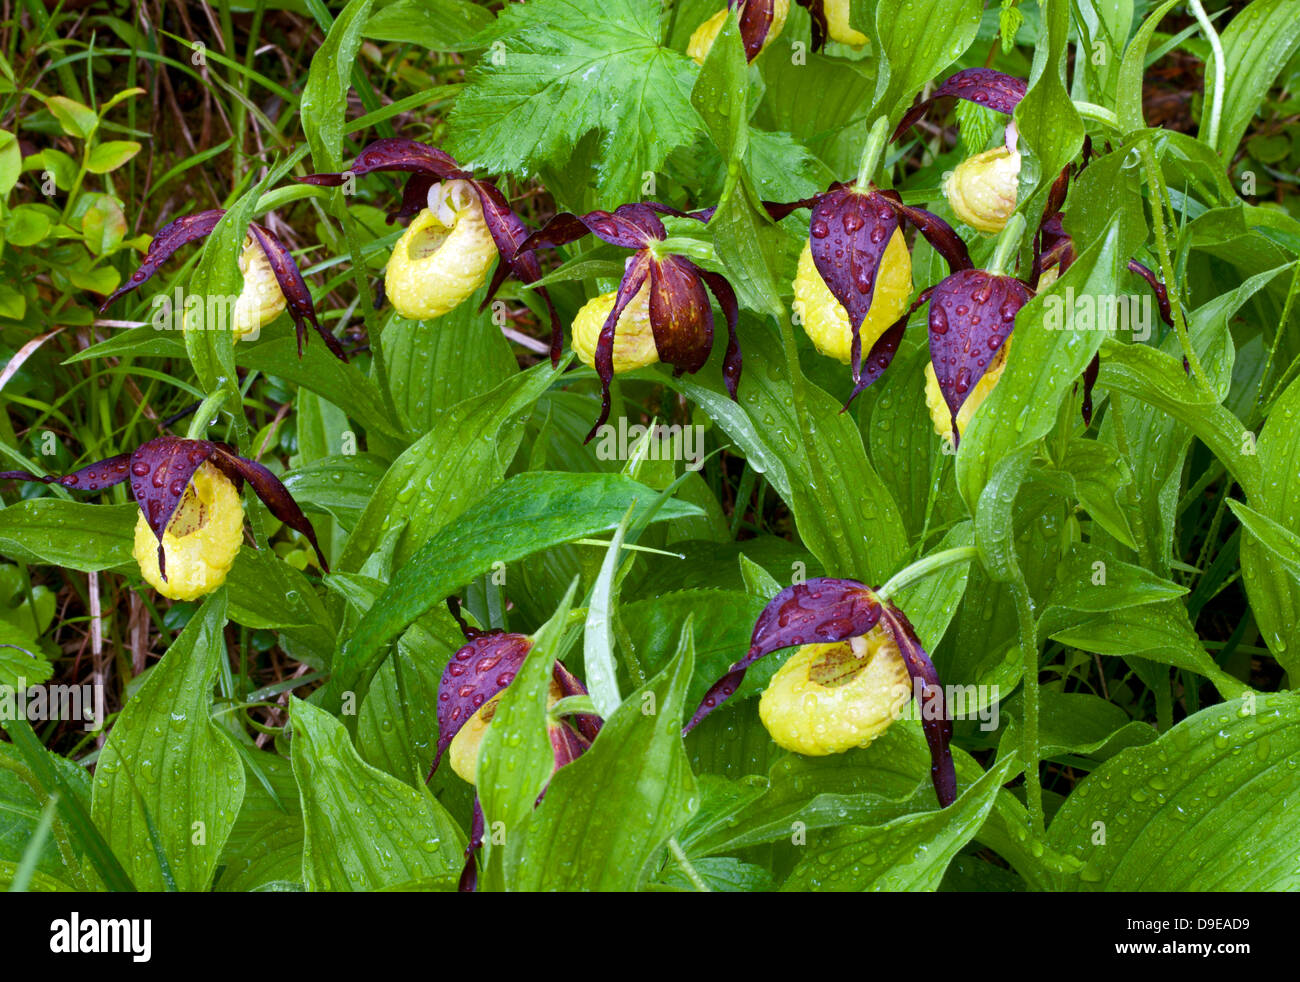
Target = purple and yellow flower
(858,662)
(272,281)
(191,520)
(461,225)
(664,291)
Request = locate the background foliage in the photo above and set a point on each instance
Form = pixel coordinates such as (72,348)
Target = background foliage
(292,713)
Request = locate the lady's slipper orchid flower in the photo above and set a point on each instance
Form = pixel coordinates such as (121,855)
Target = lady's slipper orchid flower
(855,273)
(191,521)
(830,19)
(471,688)
(858,662)
(272,281)
(760,23)
(681,320)
(461,224)
(972,314)
(982,189)
(468,694)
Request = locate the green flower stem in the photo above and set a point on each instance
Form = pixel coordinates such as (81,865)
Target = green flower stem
(924,567)
(206,413)
(1220,78)
(1159,196)
(1008,245)
(1029,682)
(872,152)
(692,874)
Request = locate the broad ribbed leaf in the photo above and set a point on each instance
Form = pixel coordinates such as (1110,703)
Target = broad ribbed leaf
(365,829)
(622,799)
(1208,806)
(909,853)
(527,514)
(167,765)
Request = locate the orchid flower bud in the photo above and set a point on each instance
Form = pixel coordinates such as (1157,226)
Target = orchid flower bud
(827,322)
(758,28)
(200,542)
(634,339)
(982,189)
(829,698)
(445,254)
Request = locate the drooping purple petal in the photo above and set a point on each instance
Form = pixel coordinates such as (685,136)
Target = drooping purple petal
(297,296)
(510,233)
(819,610)
(779,210)
(1089,380)
(983,86)
(937,232)
(936,721)
(507,228)
(680,314)
(1055,248)
(274,495)
(394,154)
(415,197)
(169,238)
(755,24)
(972,312)
(882,352)
(700,214)
(93,477)
(848,234)
(588,724)
(558,231)
(1158,288)
(567,744)
(820,29)
(633,279)
(469,874)
(732,362)
(477,672)
(628,227)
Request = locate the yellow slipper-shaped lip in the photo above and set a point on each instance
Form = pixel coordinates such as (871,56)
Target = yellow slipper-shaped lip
(200,542)
(444,255)
(829,698)
(634,339)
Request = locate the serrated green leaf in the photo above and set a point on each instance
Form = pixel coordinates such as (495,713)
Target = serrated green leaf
(557,70)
